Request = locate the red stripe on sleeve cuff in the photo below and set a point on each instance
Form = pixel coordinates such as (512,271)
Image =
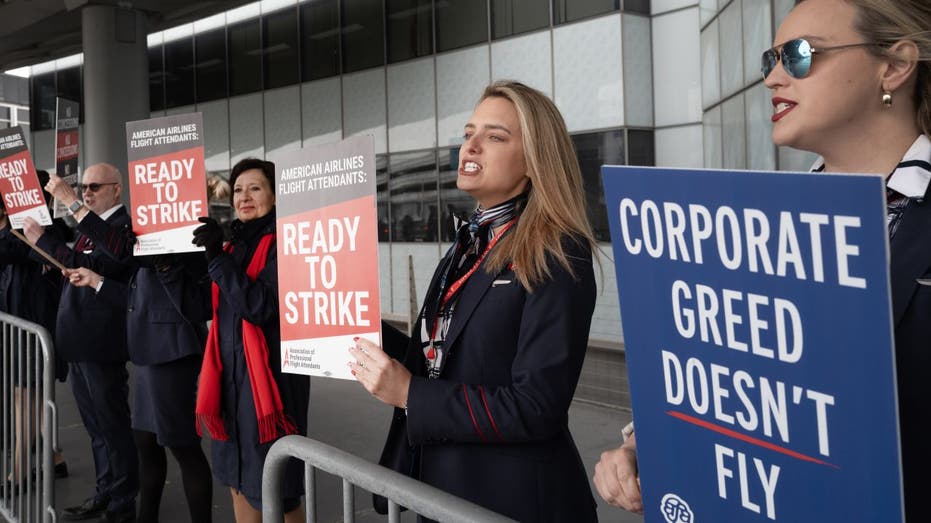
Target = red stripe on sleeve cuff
(465,392)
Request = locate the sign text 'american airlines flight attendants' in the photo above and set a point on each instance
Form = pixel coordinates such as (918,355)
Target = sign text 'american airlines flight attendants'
(327,255)
(167,182)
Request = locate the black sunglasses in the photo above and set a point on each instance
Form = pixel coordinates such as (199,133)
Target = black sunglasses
(796,56)
(93,187)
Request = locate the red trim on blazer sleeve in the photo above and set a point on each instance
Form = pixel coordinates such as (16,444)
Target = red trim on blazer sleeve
(481,392)
(465,392)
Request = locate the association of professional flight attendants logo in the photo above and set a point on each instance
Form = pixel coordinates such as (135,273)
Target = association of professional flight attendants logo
(676,510)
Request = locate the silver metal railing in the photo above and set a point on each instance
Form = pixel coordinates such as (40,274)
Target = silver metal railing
(399,489)
(27,393)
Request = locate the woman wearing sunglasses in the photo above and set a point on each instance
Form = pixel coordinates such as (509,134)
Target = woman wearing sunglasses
(863,102)
(851,81)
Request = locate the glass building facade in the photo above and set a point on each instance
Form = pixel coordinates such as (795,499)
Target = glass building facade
(736,105)
(672,83)
(14,102)
(282,74)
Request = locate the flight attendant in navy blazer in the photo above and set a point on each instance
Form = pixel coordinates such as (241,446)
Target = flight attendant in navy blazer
(165,327)
(851,81)
(244,402)
(483,385)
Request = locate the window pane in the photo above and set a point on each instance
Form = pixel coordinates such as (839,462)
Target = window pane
(410,29)
(211,65)
(179,73)
(68,85)
(511,17)
(14,90)
(640,148)
(460,23)
(413,197)
(381,197)
(22,115)
(319,39)
(156,79)
(43,101)
(453,202)
(363,35)
(637,6)
(4,112)
(245,51)
(595,150)
(571,10)
(280,34)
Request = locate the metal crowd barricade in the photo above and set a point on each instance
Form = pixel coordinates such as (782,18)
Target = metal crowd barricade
(26,363)
(399,489)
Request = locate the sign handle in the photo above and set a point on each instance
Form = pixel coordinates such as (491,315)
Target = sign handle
(44,254)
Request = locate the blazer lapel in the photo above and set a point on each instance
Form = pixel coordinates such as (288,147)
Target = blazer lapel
(910,257)
(471,295)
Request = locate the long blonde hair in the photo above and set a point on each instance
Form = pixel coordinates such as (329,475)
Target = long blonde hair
(885,22)
(555,207)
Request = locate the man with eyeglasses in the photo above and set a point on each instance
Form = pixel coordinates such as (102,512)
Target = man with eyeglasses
(91,336)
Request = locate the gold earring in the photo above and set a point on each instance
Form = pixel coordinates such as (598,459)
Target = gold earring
(887,99)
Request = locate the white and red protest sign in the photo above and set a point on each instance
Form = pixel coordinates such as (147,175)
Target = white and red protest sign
(167,182)
(66,146)
(19,185)
(327,255)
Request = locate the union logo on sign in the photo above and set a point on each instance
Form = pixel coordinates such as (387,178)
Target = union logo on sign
(676,510)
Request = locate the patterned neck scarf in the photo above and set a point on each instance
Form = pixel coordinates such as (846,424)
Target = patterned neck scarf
(474,240)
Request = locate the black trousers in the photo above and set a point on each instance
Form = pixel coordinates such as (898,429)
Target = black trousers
(101,391)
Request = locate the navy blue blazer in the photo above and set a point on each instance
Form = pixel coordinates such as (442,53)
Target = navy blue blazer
(494,428)
(30,289)
(911,309)
(168,301)
(89,328)
(167,309)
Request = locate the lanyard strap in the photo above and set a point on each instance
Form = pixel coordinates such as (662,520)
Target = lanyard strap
(456,285)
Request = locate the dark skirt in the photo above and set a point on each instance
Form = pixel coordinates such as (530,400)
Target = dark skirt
(164,401)
(238,461)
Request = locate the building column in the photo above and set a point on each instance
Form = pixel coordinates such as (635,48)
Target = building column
(116,81)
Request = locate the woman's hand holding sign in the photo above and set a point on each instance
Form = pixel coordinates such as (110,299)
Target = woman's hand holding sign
(209,236)
(384,377)
(616,477)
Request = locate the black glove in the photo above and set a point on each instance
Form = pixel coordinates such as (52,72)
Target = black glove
(163,262)
(209,236)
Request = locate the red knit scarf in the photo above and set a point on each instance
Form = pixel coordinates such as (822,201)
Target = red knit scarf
(268,407)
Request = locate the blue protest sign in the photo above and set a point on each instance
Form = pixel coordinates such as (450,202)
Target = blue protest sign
(758,334)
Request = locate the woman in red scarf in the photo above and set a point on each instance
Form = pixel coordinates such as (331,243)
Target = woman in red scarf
(244,401)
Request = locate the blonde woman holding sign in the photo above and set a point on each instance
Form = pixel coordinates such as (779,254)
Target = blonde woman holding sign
(482,387)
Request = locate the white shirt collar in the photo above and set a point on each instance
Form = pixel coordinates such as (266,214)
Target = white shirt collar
(908,180)
(912,180)
(109,212)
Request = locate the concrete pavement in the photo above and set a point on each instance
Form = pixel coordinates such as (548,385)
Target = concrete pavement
(342,414)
